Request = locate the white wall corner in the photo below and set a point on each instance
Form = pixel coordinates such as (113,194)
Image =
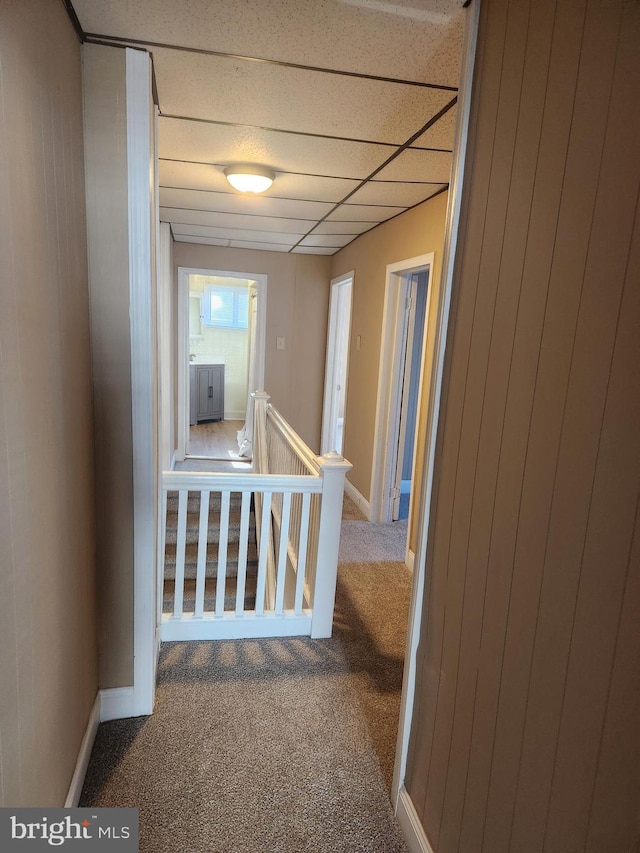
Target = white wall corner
(410,559)
(82,762)
(357,498)
(409,822)
(117,703)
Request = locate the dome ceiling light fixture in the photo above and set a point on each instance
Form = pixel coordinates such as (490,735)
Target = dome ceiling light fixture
(247,178)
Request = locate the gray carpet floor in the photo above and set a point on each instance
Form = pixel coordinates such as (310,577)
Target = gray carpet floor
(286,745)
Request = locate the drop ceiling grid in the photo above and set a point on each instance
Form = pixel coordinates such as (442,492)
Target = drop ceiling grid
(226,90)
(235,220)
(325,134)
(286,152)
(403,194)
(207,176)
(417,41)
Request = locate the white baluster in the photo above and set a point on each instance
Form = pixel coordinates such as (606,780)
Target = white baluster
(221,579)
(203,529)
(181,541)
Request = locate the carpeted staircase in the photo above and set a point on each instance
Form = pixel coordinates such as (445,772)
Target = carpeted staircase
(213,541)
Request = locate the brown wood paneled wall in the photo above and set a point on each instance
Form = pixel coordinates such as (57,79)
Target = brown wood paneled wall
(526,724)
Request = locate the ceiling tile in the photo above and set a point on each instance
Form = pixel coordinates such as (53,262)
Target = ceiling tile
(441,134)
(212,219)
(204,176)
(210,143)
(412,165)
(261,94)
(396,38)
(238,234)
(311,250)
(208,241)
(329,240)
(363,213)
(389,192)
(265,247)
(263,205)
(333,227)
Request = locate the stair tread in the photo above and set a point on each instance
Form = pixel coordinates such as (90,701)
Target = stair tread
(211,566)
(189,595)
(193,519)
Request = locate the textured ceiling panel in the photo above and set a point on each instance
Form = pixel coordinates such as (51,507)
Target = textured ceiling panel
(328,240)
(331,227)
(440,134)
(208,241)
(363,213)
(262,205)
(313,250)
(215,219)
(241,234)
(383,192)
(204,176)
(210,143)
(265,247)
(409,39)
(228,90)
(414,165)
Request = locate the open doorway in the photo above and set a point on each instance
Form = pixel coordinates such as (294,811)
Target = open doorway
(337,365)
(221,318)
(417,289)
(400,385)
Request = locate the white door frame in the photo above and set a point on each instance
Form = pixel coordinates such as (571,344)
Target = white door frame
(406,356)
(183,342)
(391,371)
(407,817)
(333,361)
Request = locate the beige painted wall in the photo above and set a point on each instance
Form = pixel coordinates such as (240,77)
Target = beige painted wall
(48,648)
(107,224)
(525,726)
(297,306)
(417,232)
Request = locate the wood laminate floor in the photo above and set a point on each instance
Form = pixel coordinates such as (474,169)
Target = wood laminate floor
(215,439)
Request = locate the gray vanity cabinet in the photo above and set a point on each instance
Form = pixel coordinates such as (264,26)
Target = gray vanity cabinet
(206,392)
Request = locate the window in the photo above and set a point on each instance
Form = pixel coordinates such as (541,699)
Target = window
(226,307)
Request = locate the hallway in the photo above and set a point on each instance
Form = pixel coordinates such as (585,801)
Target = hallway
(280,744)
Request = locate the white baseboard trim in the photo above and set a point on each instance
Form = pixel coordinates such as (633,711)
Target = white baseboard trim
(116,704)
(358,499)
(414,834)
(82,762)
(235,416)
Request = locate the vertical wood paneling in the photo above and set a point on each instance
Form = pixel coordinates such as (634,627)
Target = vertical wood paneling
(470,462)
(498,387)
(525,666)
(430,650)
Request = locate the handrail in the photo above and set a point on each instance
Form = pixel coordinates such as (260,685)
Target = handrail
(281,483)
(302,451)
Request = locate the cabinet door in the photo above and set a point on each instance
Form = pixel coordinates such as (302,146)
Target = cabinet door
(217,398)
(204,391)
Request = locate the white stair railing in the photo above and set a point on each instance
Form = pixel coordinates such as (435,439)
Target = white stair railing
(288,587)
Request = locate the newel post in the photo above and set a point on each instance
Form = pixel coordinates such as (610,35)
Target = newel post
(333,468)
(260,402)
